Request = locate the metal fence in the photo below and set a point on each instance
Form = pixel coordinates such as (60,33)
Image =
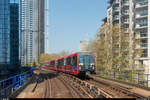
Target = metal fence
(10,85)
(130,77)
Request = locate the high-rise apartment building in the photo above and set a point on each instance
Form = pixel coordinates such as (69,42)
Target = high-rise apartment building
(133,15)
(32,30)
(9,35)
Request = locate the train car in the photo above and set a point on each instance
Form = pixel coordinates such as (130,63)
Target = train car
(60,64)
(45,65)
(86,63)
(71,64)
(52,65)
(80,64)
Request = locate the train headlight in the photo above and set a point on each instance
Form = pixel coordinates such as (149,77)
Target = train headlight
(81,64)
(79,67)
(92,64)
(93,67)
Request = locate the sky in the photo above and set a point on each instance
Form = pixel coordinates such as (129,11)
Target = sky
(72,21)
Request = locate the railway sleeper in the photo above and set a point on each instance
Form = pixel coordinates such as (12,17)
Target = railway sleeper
(94,94)
(92,91)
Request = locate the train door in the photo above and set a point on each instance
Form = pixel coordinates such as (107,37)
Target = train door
(74,64)
(68,64)
(86,61)
(71,68)
(56,65)
(65,63)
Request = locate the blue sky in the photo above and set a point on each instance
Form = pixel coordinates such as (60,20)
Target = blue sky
(72,21)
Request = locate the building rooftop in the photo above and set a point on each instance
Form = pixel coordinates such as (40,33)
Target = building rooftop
(110,1)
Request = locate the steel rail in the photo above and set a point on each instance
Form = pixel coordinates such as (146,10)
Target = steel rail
(72,91)
(89,88)
(118,88)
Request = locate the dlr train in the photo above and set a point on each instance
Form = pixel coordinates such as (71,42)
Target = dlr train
(79,64)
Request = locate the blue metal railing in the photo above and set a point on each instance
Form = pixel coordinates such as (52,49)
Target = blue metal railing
(130,77)
(10,85)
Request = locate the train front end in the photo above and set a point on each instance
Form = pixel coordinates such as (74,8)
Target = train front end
(86,63)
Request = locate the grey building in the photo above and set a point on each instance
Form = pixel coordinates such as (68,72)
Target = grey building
(9,36)
(32,30)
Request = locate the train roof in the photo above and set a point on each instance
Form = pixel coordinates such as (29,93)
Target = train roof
(73,54)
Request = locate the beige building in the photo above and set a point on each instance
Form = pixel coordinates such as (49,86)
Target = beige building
(83,46)
(133,15)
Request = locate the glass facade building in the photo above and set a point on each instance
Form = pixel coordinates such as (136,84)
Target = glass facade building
(14,36)
(9,35)
(4,32)
(32,30)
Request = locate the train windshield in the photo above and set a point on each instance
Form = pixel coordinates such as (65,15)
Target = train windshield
(86,59)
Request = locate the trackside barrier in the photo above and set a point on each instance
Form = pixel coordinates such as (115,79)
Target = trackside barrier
(130,77)
(10,85)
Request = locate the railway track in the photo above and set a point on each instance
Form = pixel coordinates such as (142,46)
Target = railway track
(58,87)
(88,90)
(117,91)
(76,88)
(72,87)
(48,88)
(97,89)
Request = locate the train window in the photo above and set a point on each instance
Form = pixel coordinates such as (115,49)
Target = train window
(62,62)
(91,59)
(86,60)
(74,61)
(68,61)
(56,63)
(59,63)
(80,59)
(52,63)
(65,61)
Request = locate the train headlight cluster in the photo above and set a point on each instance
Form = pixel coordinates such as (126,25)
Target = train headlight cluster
(80,66)
(93,67)
(92,64)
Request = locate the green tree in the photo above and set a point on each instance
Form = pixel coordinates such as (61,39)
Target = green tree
(115,48)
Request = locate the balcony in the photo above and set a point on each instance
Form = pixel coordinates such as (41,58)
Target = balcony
(139,16)
(125,13)
(144,55)
(125,3)
(116,9)
(142,4)
(143,35)
(116,2)
(144,45)
(116,18)
(125,30)
(125,22)
(140,26)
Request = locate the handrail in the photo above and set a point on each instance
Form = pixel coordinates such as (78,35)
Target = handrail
(12,84)
(129,77)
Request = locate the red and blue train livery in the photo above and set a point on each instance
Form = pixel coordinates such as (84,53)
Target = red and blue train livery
(79,64)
